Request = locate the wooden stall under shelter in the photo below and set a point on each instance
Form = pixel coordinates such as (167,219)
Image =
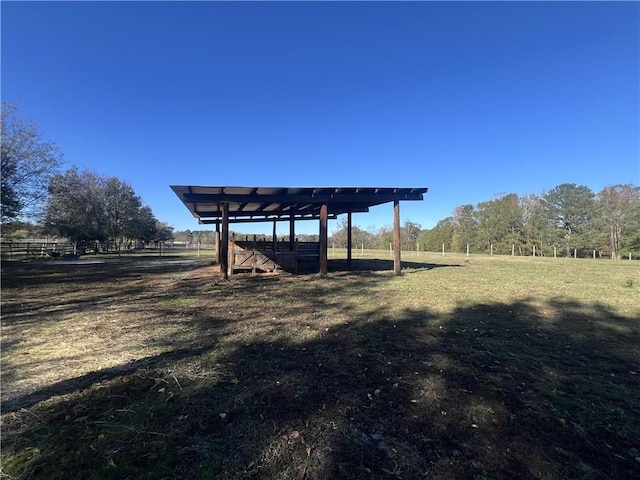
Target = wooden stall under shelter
(225,205)
(268,256)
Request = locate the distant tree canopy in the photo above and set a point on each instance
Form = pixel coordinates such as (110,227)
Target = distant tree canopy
(566,219)
(28,162)
(569,217)
(86,207)
(619,214)
(374,238)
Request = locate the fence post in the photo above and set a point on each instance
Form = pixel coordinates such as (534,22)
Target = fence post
(513,250)
(467,249)
(594,254)
(575,253)
(554,252)
(534,250)
(491,248)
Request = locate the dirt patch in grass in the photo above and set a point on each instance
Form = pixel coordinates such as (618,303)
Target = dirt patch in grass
(140,368)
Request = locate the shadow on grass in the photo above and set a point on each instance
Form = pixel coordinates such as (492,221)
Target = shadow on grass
(377,264)
(81,287)
(31,274)
(95,378)
(501,391)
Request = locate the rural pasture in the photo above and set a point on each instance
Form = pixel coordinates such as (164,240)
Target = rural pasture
(476,367)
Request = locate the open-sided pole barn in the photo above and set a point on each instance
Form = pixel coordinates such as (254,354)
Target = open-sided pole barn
(224,205)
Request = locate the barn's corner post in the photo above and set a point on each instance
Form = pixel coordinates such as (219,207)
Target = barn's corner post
(224,242)
(397,262)
(349,239)
(324,214)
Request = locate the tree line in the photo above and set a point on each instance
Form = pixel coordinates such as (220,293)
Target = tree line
(568,220)
(38,198)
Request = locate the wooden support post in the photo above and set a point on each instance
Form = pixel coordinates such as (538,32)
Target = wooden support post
(324,214)
(397,261)
(232,253)
(254,256)
(217,242)
(292,233)
(349,245)
(224,242)
(275,237)
(275,246)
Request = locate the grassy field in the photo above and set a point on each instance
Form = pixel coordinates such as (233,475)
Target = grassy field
(461,368)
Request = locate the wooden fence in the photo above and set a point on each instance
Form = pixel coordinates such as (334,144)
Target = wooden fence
(25,250)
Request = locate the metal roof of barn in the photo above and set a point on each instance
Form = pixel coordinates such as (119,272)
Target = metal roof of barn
(259,204)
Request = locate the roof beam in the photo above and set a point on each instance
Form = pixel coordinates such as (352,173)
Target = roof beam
(362,198)
(257,219)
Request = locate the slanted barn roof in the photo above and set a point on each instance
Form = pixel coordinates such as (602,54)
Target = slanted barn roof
(259,204)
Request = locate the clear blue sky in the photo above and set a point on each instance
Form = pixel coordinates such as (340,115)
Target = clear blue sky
(470,99)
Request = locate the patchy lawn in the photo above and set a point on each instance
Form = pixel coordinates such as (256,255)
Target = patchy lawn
(480,368)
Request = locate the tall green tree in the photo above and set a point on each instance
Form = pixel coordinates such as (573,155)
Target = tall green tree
(27,163)
(122,210)
(87,207)
(569,209)
(409,233)
(382,238)
(75,208)
(339,235)
(536,229)
(434,238)
(500,223)
(619,205)
(465,228)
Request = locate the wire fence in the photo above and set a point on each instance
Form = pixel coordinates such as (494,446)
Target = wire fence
(45,248)
(536,251)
